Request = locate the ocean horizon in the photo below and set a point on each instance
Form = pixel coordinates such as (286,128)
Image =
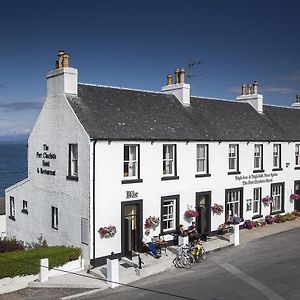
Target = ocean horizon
(13,164)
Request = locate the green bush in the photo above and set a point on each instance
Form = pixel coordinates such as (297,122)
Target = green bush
(28,262)
(11,244)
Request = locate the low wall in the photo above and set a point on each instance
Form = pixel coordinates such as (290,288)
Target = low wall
(20,282)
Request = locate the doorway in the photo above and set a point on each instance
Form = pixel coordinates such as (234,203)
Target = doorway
(203,206)
(297,191)
(132,226)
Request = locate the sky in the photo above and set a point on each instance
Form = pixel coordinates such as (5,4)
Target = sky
(135,44)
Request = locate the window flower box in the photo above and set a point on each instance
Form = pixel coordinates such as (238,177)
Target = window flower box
(107,232)
(217,208)
(151,222)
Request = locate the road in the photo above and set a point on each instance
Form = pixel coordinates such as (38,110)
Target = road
(268,268)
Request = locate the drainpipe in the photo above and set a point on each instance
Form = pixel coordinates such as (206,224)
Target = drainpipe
(94,201)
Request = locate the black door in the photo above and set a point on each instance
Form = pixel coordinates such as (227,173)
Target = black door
(203,206)
(297,191)
(131,227)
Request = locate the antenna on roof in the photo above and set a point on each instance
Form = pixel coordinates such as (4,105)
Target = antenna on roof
(193,69)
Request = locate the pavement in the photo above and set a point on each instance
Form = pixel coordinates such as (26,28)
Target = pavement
(129,272)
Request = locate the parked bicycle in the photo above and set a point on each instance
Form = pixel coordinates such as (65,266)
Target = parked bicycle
(184,258)
(198,251)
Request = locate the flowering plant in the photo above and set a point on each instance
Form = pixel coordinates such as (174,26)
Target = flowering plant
(224,228)
(217,208)
(249,224)
(151,222)
(267,200)
(269,219)
(294,196)
(190,213)
(261,222)
(235,220)
(107,232)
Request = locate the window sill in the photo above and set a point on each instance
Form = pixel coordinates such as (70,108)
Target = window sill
(234,173)
(12,218)
(55,228)
(73,178)
(277,212)
(170,178)
(126,181)
(257,217)
(277,169)
(297,168)
(258,171)
(202,175)
(24,211)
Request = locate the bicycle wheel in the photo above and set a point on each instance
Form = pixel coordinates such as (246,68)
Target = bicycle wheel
(187,260)
(202,256)
(177,262)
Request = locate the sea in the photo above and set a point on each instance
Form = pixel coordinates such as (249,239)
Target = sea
(13,165)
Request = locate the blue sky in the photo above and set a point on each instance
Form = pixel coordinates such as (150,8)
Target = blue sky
(136,44)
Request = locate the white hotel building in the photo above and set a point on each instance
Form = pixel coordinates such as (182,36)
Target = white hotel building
(100,156)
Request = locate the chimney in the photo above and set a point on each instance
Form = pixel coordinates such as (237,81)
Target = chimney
(297,103)
(180,89)
(252,97)
(62,80)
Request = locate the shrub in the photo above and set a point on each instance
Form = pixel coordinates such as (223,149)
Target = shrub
(279,219)
(261,222)
(11,244)
(269,219)
(249,224)
(296,213)
(21,263)
(41,243)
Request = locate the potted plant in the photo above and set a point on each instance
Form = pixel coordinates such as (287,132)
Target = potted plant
(151,222)
(190,213)
(217,208)
(249,224)
(267,200)
(223,228)
(235,220)
(269,219)
(107,232)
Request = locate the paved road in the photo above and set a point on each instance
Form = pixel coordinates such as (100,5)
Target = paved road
(268,268)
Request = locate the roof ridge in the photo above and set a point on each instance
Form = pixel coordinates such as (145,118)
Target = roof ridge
(281,106)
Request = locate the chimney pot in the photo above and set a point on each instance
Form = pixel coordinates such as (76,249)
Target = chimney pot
(249,89)
(169,79)
(65,62)
(177,75)
(255,89)
(181,75)
(243,89)
(60,58)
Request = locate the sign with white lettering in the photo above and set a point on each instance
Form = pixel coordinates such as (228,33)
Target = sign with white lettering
(256,178)
(45,156)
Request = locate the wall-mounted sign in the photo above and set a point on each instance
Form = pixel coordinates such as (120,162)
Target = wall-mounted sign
(256,178)
(45,156)
(131,194)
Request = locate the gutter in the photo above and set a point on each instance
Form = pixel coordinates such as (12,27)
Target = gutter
(94,201)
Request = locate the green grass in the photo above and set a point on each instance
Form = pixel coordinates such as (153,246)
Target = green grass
(21,263)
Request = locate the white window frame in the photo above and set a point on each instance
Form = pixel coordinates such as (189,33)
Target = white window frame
(202,159)
(12,207)
(297,155)
(256,201)
(233,157)
(131,163)
(277,196)
(169,218)
(233,203)
(169,160)
(258,157)
(73,160)
(54,217)
(276,156)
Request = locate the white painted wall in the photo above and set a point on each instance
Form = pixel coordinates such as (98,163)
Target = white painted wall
(57,127)
(110,192)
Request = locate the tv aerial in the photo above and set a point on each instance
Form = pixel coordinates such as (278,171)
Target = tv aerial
(193,70)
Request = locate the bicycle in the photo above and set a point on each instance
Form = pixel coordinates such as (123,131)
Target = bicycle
(184,258)
(198,251)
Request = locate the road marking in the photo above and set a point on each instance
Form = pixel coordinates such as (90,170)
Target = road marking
(263,289)
(81,294)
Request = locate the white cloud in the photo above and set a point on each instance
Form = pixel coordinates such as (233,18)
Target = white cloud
(279,90)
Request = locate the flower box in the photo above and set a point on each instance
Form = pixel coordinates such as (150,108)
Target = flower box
(107,232)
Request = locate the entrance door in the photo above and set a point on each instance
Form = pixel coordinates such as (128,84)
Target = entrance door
(203,206)
(297,191)
(131,227)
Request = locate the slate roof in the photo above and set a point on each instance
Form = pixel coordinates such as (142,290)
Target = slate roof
(121,114)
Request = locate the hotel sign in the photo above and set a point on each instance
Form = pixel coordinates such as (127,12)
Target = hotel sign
(46,157)
(256,178)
